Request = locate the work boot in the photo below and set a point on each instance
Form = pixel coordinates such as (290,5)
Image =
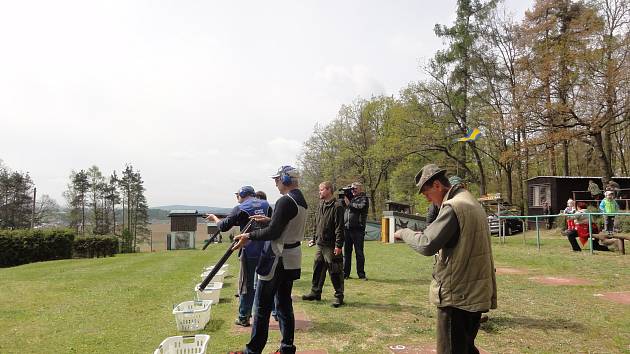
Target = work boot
(337,302)
(243,322)
(311,297)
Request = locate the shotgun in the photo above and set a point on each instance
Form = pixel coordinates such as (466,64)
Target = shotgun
(224,258)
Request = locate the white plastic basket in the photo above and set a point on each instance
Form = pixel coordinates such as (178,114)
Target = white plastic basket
(217,277)
(224,268)
(184,345)
(211,292)
(192,315)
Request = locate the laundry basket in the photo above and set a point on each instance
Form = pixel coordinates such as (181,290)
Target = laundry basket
(217,277)
(224,268)
(211,292)
(192,315)
(184,344)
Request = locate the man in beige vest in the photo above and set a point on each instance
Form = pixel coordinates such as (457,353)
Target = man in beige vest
(464,283)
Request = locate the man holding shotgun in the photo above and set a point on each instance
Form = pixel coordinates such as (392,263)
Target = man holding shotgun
(279,263)
(248,206)
(464,284)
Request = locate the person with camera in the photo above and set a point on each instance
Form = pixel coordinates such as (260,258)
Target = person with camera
(280,261)
(240,215)
(355,217)
(329,240)
(464,283)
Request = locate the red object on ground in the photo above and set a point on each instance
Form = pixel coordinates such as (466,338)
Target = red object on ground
(560,280)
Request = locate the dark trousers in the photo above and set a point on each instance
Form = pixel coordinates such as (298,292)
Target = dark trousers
(280,287)
(573,234)
(456,330)
(325,260)
(246,298)
(353,237)
(610,224)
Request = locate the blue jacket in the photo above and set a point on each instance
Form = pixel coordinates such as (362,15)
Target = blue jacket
(239,216)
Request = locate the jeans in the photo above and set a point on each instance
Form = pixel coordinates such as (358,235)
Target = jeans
(246,301)
(353,237)
(456,330)
(280,287)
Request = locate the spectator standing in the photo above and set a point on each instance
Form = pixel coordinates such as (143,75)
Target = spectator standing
(609,205)
(329,238)
(355,219)
(464,284)
(593,188)
(568,211)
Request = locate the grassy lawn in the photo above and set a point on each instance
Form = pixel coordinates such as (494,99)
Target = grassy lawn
(123,304)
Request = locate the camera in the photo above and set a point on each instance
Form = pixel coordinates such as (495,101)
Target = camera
(346,192)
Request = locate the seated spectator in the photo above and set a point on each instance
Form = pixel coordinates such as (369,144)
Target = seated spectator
(581,231)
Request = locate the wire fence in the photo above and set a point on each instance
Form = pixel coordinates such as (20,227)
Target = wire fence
(537,219)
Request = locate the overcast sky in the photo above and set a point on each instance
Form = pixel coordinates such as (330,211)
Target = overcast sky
(201,97)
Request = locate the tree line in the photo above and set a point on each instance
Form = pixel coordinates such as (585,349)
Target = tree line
(17,210)
(93,198)
(550,95)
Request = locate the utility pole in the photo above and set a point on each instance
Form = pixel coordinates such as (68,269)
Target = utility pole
(33,211)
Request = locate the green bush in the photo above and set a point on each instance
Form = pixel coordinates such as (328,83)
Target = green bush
(27,246)
(95,246)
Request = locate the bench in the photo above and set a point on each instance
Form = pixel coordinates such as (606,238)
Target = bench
(622,240)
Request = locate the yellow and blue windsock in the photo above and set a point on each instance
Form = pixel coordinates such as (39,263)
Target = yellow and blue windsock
(472,135)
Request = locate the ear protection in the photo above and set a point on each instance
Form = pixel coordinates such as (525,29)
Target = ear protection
(284,178)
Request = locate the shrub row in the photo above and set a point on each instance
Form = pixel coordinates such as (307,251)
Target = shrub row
(95,246)
(28,246)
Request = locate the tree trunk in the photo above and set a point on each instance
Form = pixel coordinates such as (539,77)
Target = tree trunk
(600,153)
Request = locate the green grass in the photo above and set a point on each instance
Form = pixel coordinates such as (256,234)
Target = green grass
(123,304)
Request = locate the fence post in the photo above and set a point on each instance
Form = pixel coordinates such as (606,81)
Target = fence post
(537,234)
(590,233)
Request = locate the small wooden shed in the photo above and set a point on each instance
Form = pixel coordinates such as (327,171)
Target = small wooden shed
(183,228)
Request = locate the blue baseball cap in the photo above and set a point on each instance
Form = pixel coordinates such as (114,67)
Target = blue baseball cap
(244,191)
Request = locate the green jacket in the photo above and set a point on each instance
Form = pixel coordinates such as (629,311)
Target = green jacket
(464,273)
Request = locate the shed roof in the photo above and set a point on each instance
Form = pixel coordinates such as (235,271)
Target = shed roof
(183,213)
(578,177)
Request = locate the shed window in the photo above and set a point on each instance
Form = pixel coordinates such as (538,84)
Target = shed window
(539,194)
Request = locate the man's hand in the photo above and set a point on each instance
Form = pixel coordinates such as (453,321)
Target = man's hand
(242,241)
(261,219)
(337,251)
(311,243)
(398,235)
(213,218)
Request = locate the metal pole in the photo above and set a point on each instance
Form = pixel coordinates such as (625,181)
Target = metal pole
(590,233)
(537,234)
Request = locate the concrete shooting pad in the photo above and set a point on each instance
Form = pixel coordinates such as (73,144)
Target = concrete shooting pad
(302,323)
(419,349)
(510,271)
(560,280)
(621,297)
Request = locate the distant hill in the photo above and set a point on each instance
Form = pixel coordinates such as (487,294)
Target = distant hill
(199,208)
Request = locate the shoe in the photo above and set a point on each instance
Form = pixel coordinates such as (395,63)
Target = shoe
(311,297)
(275,317)
(338,302)
(363,278)
(483,319)
(243,322)
(346,277)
